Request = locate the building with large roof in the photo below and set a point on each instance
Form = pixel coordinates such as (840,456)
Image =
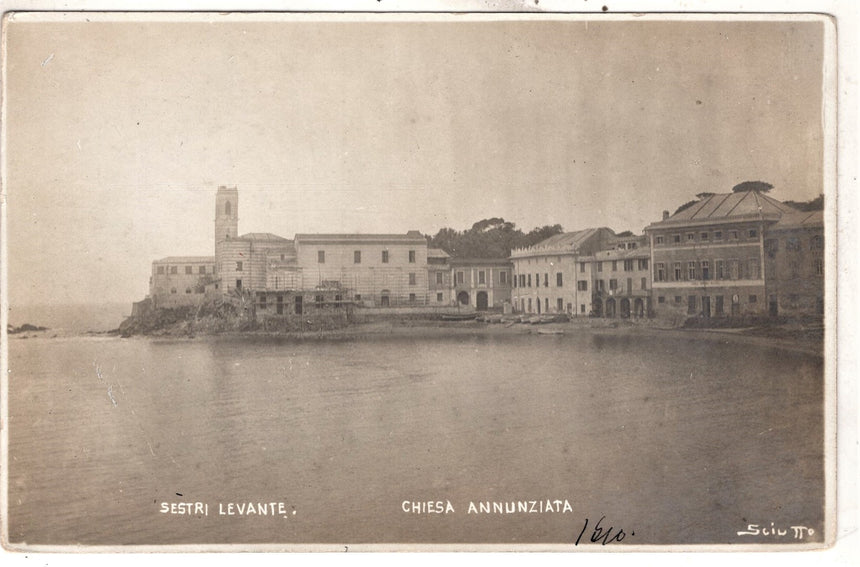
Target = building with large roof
(720,256)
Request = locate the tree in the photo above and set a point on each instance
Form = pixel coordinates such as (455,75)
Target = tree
(816,204)
(760,186)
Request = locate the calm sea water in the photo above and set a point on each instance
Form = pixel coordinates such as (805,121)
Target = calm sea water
(677,441)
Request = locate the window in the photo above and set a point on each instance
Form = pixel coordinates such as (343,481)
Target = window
(530,280)
(537,280)
(658,239)
(412,256)
(582,308)
(439,297)
(321,257)
(582,285)
(461,278)
(614,265)
(733,234)
(676,238)
(628,265)
(691,270)
(721,271)
(439,277)
(613,284)
(546,280)
(643,284)
(188,290)
(174,269)
(239,284)
(753,299)
(678,299)
(189,270)
(734,270)
(643,264)
(385,256)
(706,270)
(319,300)
(677,269)
(691,236)
(356,257)
(358,297)
(228,209)
(503,278)
(691,304)
(661,299)
(718,235)
(703,236)
(792,244)
(660,272)
(159,270)
(411,298)
(752,233)
(412,279)
(559,279)
(546,304)
(753,269)
(600,285)
(771,247)
(261,300)
(818,266)
(482,277)
(202,270)
(582,267)
(599,266)
(816,242)
(559,305)
(239,266)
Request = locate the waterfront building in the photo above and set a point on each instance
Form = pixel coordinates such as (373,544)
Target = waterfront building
(438,277)
(621,278)
(380,270)
(374,270)
(181,280)
(734,254)
(555,275)
(482,283)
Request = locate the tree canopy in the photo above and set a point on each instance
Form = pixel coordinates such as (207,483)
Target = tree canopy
(760,186)
(489,238)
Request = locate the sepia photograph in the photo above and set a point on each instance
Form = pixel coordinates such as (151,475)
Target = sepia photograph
(328,281)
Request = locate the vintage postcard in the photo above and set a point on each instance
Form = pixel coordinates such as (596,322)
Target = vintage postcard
(374,281)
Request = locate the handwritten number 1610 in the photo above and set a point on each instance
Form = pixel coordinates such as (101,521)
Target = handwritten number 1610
(600,534)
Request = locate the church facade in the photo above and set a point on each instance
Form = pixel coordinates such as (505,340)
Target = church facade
(372,270)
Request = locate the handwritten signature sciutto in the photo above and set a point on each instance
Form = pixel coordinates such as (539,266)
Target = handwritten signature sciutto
(797,532)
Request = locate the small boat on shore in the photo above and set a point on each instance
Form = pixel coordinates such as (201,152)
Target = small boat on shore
(459,316)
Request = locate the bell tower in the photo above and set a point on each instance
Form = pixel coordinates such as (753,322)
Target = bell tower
(226,214)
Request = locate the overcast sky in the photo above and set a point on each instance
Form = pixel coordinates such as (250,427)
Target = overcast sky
(119,133)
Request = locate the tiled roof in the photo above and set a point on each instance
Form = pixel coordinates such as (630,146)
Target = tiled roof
(187,260)
(411,237)
(480,261)
(437,253)
(567,239)
(730,206)
(800,220)
(263,236)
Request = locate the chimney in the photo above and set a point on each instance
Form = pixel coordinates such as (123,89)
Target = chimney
(665,215)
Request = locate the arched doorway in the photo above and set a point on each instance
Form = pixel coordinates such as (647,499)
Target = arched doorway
(481,300)
(639,308)
(463,298)
(625,308)
(597,308)
(610,307)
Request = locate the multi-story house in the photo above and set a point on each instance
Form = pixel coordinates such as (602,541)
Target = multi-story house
(483,283)
(555,275)
(710,259)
